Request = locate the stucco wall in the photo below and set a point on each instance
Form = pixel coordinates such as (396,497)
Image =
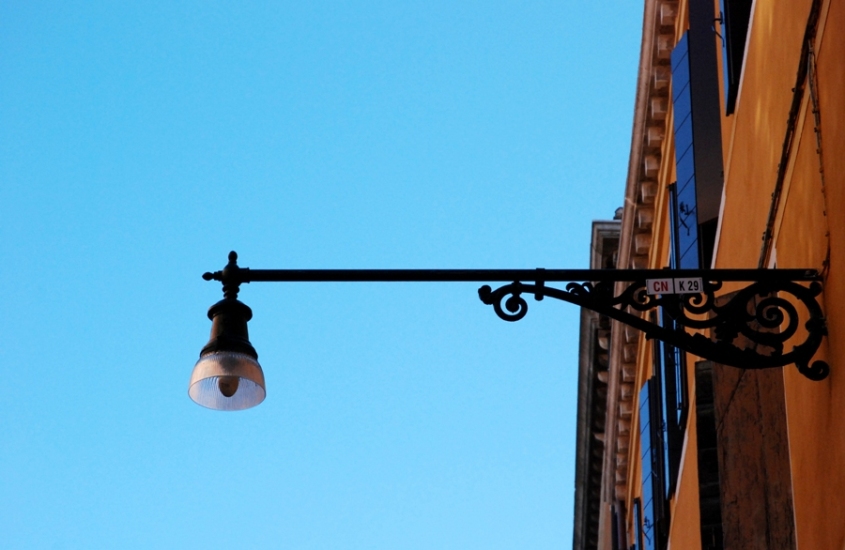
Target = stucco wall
(804,234)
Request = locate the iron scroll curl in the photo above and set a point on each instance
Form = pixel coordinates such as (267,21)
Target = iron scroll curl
(763,317)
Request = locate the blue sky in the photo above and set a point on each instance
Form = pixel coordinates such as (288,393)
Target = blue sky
(142,141)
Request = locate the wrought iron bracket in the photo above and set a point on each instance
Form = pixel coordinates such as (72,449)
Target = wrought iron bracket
(749,329)
(765,314)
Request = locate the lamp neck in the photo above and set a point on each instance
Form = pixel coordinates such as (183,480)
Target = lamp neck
(229,331)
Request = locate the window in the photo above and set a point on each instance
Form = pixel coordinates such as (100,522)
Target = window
(683,226)
(670,362)
(682,194)
(697,194)
(735,17)
(670,370)
(614,533)
(653,500)
(619,535)
(638,525)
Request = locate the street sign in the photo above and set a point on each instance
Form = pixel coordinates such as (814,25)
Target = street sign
(682,285)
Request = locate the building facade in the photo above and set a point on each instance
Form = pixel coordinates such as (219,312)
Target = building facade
(736,162)
(593,362)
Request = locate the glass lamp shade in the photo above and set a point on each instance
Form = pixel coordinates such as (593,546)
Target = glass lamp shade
(227,381)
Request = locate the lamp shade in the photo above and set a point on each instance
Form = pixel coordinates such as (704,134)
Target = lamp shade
(227,381)
(227,376)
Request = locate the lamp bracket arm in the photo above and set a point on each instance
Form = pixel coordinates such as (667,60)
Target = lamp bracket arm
(748,329)
(765,314)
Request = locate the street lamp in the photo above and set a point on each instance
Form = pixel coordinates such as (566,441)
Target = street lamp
(764,314)
(227,376)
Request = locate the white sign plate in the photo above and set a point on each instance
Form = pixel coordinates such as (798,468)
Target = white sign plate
(690,285)
(683,285)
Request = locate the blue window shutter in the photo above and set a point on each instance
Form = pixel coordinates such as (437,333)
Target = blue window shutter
(669,370)
(684,230)
(646,459)
(651,459)
(669,361)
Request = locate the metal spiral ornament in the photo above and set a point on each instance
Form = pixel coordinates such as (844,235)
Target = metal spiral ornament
(515,306)
(749,331)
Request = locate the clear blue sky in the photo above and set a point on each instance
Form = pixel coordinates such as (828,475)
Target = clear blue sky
(142,141)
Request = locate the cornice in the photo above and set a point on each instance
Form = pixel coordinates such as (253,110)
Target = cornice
(649,131)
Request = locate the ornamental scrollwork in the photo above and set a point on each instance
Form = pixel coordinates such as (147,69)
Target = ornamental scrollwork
(750,328)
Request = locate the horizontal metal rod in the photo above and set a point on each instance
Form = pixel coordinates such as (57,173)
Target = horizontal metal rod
(246,275)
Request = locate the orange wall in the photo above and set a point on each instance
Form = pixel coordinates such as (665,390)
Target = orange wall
(815,416)
(753,151)
(685,530)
